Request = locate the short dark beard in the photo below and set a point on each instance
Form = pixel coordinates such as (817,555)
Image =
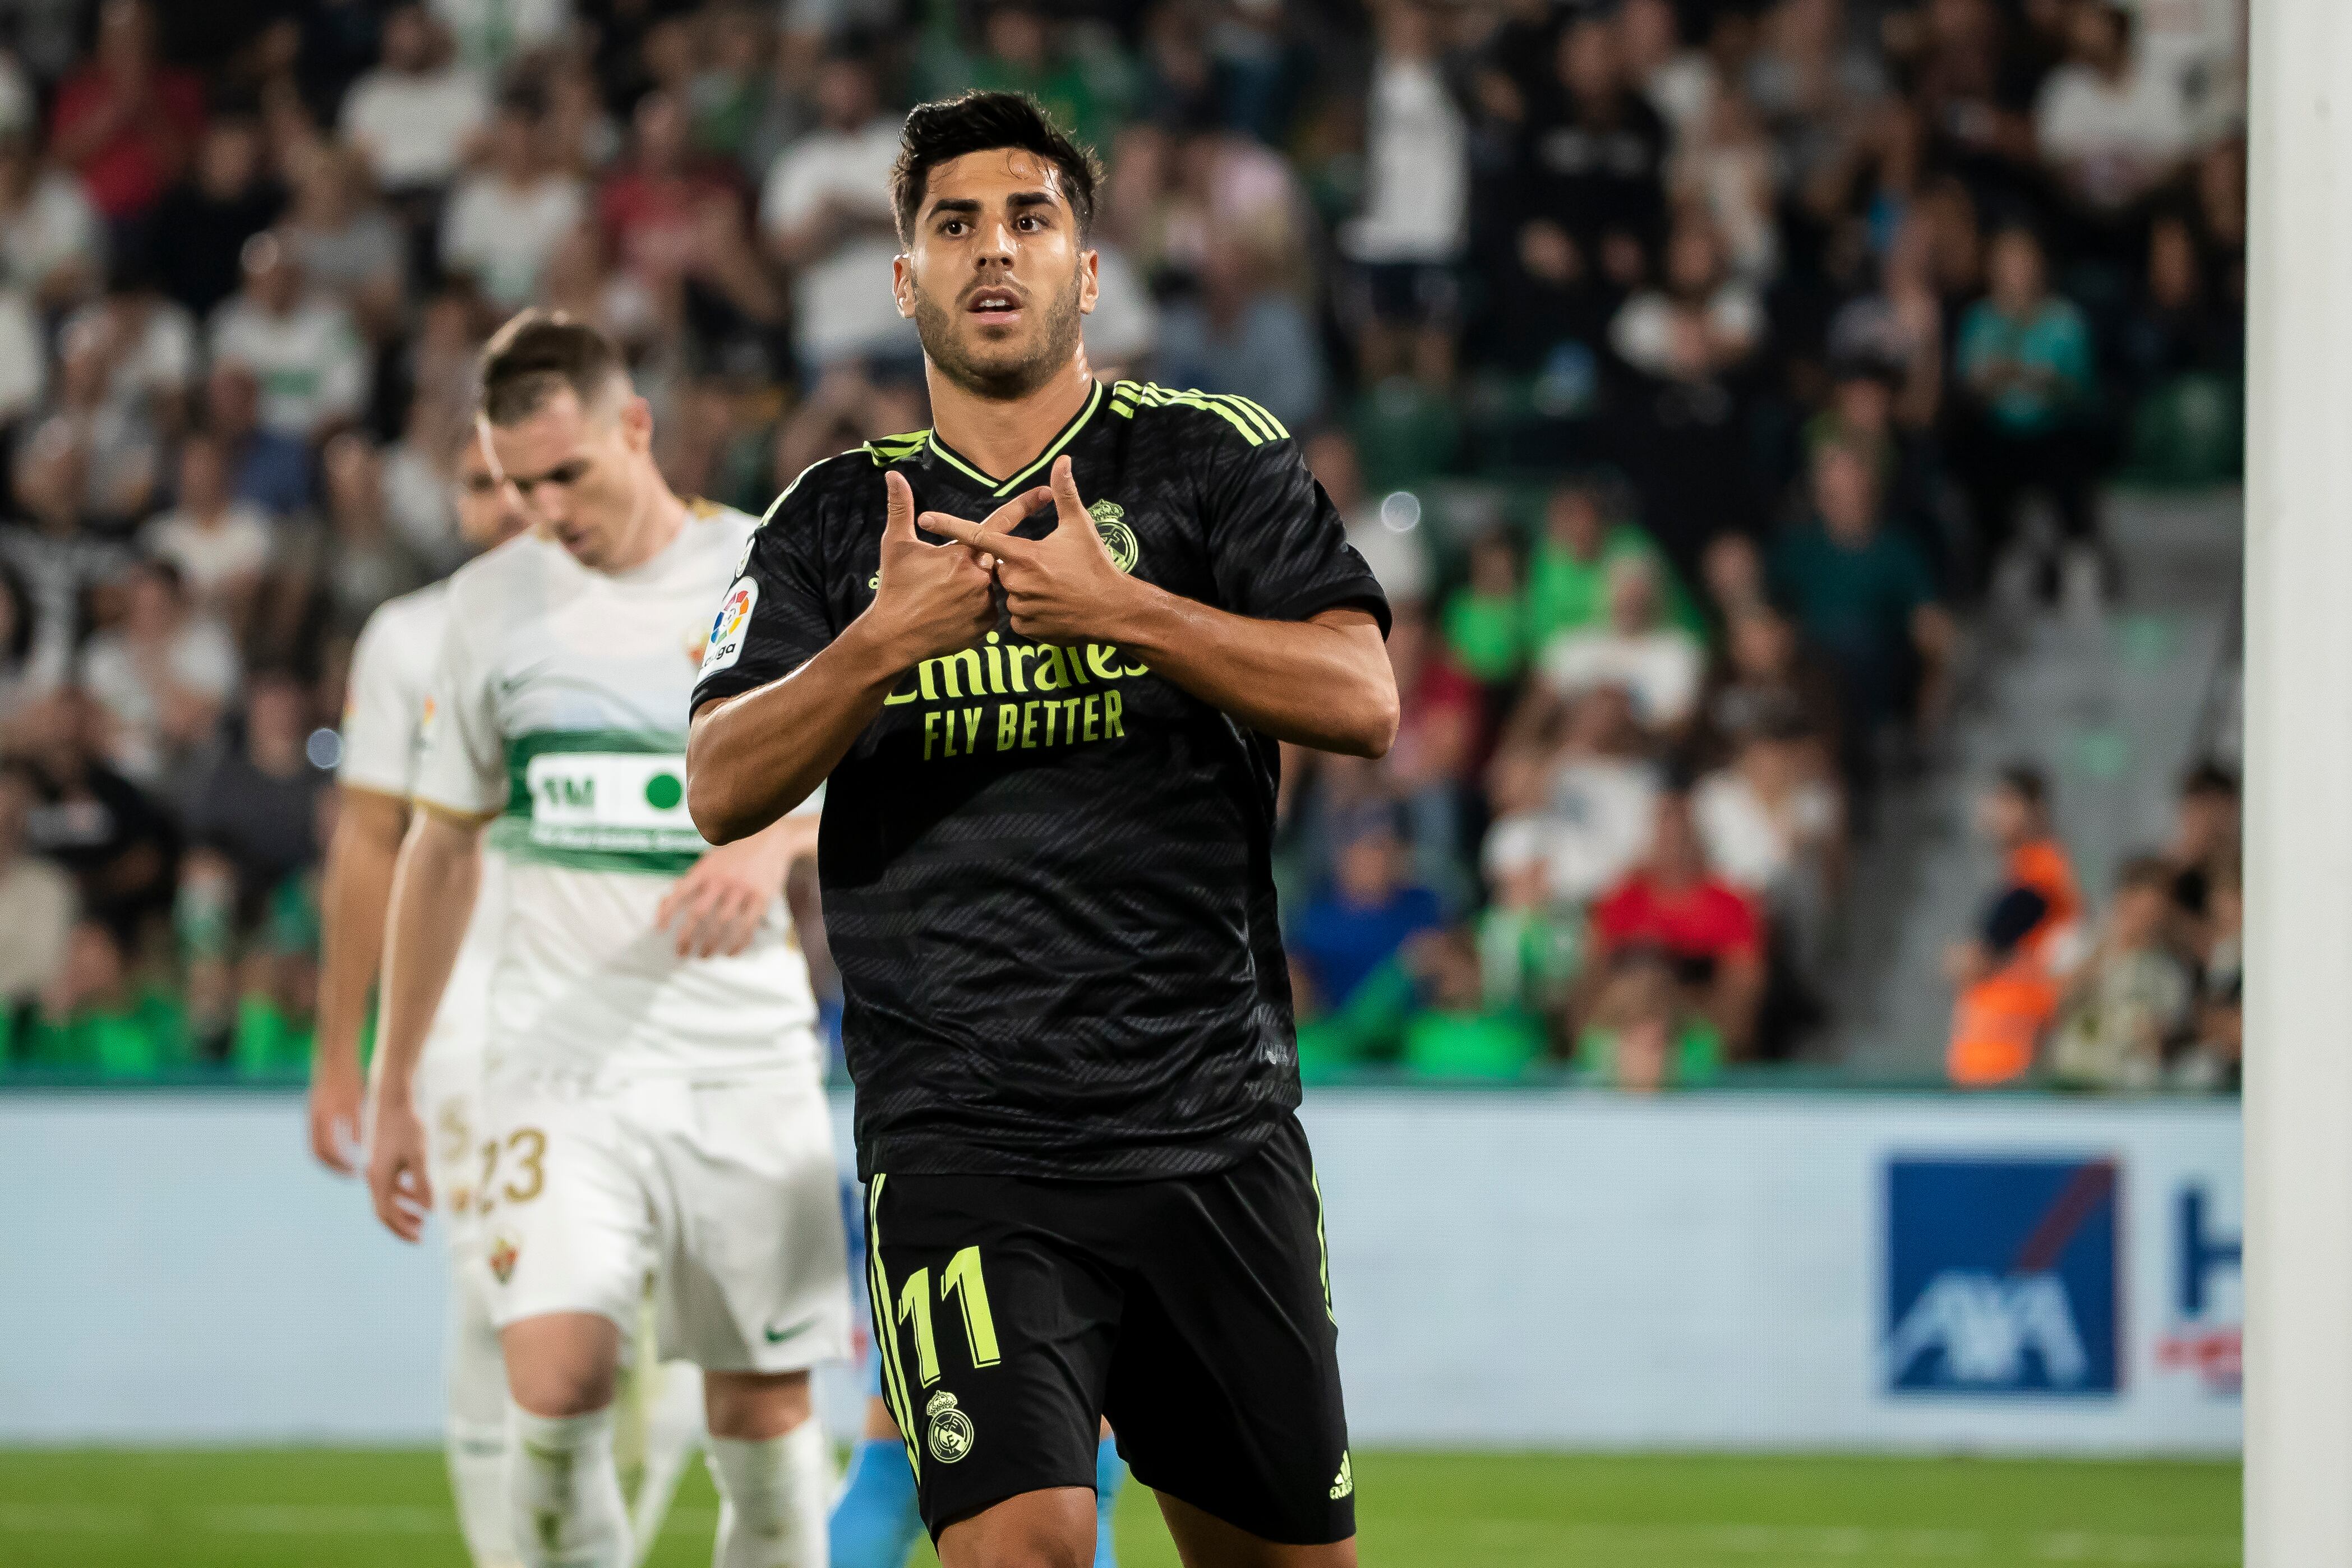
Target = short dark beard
(935,325)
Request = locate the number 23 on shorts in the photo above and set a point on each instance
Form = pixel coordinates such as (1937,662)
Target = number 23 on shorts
(529,1147)
(960,1278)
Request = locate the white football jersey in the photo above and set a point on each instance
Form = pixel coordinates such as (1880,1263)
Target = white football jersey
(560,707)
(384,739)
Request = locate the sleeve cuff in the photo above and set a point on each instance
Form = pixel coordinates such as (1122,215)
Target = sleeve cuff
(458,817)
(1313,601)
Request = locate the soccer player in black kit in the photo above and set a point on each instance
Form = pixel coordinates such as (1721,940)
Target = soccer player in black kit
(1049,736)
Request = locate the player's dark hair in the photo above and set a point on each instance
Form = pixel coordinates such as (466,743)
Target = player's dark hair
(538,354)
(977,121)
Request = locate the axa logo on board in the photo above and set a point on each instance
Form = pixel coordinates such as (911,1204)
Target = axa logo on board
(2002,1278)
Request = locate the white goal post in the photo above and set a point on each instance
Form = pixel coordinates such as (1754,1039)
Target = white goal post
(2298,1259)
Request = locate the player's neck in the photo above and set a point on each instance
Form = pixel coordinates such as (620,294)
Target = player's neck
(1004,436)
(655,530)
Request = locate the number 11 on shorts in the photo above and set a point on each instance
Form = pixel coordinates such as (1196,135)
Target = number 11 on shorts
(961,1278)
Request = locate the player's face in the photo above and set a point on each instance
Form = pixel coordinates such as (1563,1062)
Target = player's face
(995,275)
(489,510)
(581,473)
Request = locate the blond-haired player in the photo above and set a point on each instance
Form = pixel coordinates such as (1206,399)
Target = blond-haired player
(383,721)
(652,1085)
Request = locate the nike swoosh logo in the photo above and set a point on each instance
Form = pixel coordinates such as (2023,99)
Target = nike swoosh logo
(777,1336)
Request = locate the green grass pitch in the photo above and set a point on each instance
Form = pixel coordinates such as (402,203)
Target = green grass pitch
(343,1508)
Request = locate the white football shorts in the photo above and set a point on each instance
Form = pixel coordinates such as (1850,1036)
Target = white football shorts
(723,1194)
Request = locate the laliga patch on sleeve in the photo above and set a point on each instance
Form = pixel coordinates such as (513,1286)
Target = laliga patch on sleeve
(731,629)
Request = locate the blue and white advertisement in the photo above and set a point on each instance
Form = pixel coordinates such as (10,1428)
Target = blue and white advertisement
(1759,1271)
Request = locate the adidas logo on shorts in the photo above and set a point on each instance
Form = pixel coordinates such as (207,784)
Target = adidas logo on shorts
(1344,1483)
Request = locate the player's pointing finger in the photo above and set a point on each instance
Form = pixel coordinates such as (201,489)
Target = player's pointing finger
(984,537)
(1009,516)
(960,529)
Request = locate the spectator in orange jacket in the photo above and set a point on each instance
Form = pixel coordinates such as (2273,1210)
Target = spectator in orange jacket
(2008,973)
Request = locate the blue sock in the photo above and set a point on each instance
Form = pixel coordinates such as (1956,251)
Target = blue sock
(875,1523)
(1110,1474)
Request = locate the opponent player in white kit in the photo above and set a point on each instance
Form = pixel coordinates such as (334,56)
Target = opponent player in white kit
(651,1091)
(392,669)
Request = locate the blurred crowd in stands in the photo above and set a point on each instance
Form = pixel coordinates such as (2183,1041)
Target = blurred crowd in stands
(1690,371)
(2147,995)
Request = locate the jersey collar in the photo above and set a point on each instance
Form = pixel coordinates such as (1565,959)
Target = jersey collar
(999,489)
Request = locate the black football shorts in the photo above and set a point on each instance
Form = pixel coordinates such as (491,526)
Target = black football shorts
(1194,1313)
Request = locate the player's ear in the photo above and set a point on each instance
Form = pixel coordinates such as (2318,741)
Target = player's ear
(902,285)
(1089,280)
(636,418)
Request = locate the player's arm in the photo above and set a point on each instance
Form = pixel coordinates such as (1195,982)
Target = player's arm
(434,884)
(357,891)
(1323,682)
(752,757)
(380,718)
(460,784)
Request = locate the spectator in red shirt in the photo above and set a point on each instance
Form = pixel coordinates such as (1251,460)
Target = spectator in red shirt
(126,123)
(1674,904)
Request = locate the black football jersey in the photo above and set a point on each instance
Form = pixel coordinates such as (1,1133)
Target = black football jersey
(1045,869)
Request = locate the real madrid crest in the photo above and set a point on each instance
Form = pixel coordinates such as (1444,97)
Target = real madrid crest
(951,1436)
(1117,537)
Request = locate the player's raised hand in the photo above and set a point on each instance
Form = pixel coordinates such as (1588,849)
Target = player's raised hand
(1064,585)
(930,599)
(397,1183)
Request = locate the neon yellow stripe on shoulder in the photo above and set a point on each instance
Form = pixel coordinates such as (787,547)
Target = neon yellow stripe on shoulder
(887,449)
(1256,411)
(1242,406)
(1165,398)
